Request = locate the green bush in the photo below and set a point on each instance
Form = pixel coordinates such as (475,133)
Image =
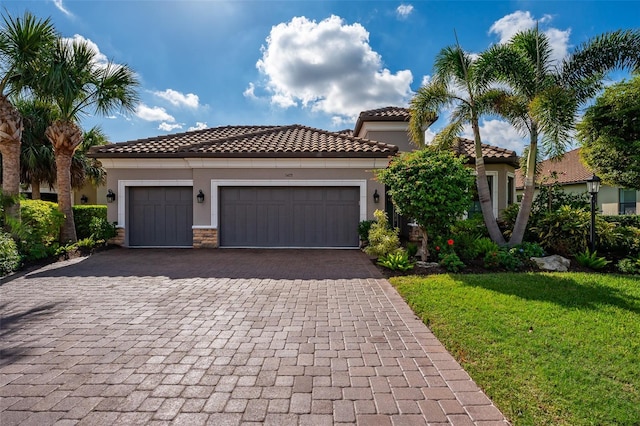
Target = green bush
(84,215)
(398,261)
(9,256)
(502,259)
(631,220)
(629,266)
(527,250)
(382,239)
(591,260)
(101,230)
(451,262)
(37,234)
(485,245)
(412,249)
(473,227)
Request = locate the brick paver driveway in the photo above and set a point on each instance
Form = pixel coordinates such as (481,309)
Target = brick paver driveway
(223,337)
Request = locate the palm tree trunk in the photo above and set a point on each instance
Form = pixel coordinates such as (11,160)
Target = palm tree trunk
(10,139)
(35,190)
(65,136)
(529,188)
(484,195)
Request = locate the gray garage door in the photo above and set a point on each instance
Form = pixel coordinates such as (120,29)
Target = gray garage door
(160,217)
(289,216)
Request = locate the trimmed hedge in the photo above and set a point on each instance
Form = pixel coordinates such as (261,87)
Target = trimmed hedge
(83,215)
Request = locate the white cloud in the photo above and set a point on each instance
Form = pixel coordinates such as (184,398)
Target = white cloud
(404,10)
(199,126)
(179,99)
(167,127)
(507,26)
(499,133)
(328,67)
(61,8)
(425,80)
(153,114)
(100,58)
(250,91)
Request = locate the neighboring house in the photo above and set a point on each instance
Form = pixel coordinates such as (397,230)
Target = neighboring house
(571,174)
(261,186)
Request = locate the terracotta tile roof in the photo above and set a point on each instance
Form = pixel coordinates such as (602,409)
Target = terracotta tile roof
(569,169)
(389,113)
(249,141)
(491,154)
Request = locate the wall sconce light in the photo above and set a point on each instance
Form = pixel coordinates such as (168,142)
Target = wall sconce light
(111,196)
(84,199)
(200,197)
(376,197)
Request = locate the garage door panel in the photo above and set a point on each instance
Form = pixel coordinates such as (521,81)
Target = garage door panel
(160,216)
(289,216)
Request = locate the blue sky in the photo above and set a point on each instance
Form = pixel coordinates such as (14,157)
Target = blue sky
(311,62)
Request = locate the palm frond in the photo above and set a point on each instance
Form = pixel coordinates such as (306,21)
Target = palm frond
(424,108)
(447,138)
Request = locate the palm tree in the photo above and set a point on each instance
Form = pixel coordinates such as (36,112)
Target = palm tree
(546,96)
(90,168)
(77,84)
(456,84)
(23,43)
(37,164)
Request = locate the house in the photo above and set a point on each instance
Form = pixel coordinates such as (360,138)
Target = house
(571,174)
(262,186)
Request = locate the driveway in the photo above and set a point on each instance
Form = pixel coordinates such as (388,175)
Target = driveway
(223,337)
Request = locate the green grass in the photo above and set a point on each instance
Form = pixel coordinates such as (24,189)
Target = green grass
(548,349)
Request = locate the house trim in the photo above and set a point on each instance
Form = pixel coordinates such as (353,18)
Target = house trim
(244,163)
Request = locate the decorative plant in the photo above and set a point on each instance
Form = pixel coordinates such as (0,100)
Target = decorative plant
(363,229)
(451,262)
(382,239)
(591,260)
(629,266)
(398,261)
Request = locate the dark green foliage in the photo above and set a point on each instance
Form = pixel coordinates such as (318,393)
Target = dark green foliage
(502,259)
(363,229)
(451,262)
(398,261)
(37,234)
(624,220)
(83,216)
(9,257)
(610,134)
(527,250)
(101,229)
(412,249)
(629,266)
(484,245)
(591,260)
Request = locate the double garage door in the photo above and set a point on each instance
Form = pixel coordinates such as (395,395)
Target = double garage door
(249,216)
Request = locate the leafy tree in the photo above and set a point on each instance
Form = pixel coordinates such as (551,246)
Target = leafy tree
(546,96)
(457,83)
(432,187)
(78,84)
(610,135)
(23,44)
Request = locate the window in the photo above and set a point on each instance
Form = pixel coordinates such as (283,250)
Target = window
(627,203)
(510,189)
(475,208)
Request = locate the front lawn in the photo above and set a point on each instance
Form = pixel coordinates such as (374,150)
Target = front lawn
(548,349)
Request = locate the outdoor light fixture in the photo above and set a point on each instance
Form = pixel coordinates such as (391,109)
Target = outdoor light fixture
(111,196)
(593,186)
(200,196)
(376,197)
(84,199)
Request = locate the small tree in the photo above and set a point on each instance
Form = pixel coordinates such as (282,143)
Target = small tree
(432,187)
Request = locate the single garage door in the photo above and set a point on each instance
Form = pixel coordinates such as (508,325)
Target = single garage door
(289,216)
(160,216)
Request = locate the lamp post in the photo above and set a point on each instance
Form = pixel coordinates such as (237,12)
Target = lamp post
(593,186)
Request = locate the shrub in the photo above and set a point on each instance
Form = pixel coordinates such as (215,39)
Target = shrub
(451,262)
(466,247)
(502,259)
(101,230)
(84,215)
(412,249)
(473,227)
(629,266)
(382,239)
(9,256)
(398,261)
(363,229)
(527,250)
(591,260)
(485,245)
(37,234)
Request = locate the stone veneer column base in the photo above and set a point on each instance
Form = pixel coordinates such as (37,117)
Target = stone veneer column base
(119,238)
(205,238)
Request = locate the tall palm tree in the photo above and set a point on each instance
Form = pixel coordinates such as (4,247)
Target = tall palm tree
(547,96)
(23,44)
(456,83)
(77,84)
(91,168)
